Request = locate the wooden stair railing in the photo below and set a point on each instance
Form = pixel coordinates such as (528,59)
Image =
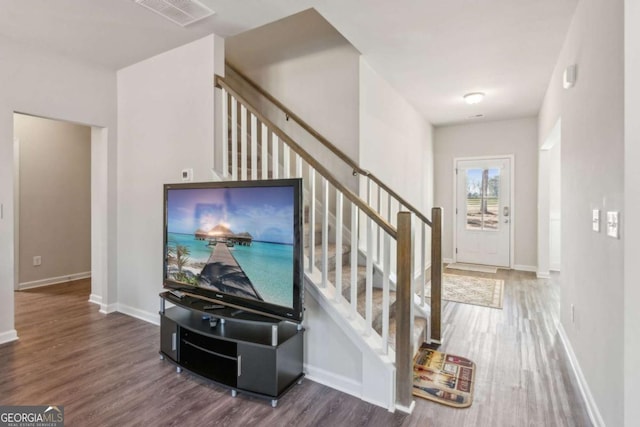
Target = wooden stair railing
(260,149)
(386,202)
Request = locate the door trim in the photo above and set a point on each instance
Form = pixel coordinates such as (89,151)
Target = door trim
(512,195)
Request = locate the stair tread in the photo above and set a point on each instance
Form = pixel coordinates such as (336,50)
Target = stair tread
(419,329)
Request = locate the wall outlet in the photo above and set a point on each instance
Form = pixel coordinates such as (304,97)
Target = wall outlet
(37,260)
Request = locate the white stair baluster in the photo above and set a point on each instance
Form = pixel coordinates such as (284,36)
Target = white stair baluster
(243,142)
(225,134)
(264,149)
(386,271)
(298,166)
(325,231)
(354,259)
(380,230)
(369,276)
(338,284)
(423,264)
(254,147)
(286,161)
(234,139)
(312,218)
(275,158)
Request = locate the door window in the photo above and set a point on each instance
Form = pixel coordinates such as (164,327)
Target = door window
(483,199)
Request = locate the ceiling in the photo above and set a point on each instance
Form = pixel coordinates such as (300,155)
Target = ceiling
(431,51)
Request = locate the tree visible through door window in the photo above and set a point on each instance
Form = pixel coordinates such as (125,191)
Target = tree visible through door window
(483,199)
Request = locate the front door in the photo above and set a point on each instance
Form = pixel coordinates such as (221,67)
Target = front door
(483,211)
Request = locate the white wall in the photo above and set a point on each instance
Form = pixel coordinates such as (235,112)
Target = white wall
(55,199)
(310,68)
(396,142)
(47,85)
(632,210)
(166,124)
(592,177)
(518,137)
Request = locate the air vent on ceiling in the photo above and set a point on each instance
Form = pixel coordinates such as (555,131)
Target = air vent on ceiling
(182,12)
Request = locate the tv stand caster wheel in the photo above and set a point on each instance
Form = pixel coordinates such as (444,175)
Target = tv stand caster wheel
(299,381)
(234,393)
(178,369)
(161,357)
(274,403)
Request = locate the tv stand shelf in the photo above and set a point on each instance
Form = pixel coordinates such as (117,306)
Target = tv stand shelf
(245,352)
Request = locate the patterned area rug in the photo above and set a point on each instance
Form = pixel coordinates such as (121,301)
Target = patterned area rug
(471,290)
(443,378)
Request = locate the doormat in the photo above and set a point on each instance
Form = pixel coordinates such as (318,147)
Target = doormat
(473,267)
(443,378)
(471,290)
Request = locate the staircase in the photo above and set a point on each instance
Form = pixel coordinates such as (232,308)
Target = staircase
(365,255)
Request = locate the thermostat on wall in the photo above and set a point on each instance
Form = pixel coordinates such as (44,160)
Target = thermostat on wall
(187,174)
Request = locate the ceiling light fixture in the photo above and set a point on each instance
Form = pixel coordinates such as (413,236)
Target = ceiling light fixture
(473,98)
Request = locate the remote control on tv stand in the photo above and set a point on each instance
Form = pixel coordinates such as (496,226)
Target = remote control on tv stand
(177,294)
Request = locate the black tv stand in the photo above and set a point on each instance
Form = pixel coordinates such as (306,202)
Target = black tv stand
(245,352)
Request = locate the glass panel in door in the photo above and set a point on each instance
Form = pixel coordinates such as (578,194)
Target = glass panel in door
(483,199)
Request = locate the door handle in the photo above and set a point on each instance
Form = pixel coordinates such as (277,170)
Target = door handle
(505,211)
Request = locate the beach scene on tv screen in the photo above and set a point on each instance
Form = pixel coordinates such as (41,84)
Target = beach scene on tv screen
(234,240)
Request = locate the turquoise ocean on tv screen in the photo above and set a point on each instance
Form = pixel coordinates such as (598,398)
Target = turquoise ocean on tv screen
(269,266)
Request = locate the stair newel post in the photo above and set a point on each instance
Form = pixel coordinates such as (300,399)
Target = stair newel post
(436,275)
(404,314)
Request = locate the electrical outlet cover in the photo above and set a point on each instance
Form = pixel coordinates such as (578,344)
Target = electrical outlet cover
(613,226)
(187,174)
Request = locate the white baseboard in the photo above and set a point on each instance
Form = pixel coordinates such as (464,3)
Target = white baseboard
(531,268)
(543,274)
(8,336)
(406,410)
(108,308)
(54,280)
(329,379)
(447,260)
(590,403)
(153,318)
(95,299)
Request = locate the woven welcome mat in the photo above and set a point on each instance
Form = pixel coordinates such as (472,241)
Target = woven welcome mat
(443,378)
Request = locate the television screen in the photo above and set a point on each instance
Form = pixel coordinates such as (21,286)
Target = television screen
(237,242)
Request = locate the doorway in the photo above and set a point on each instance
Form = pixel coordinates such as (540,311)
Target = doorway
(483,211)
(550,203)
(52,201)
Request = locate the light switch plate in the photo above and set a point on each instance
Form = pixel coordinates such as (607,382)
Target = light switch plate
(187,174)
(595,220)
(613,226)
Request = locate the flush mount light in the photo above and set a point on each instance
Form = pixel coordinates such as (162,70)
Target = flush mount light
(473,98)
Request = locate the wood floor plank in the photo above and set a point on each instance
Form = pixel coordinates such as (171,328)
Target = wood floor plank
(106,371)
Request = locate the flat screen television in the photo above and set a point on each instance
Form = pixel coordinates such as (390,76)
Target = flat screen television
(238,243)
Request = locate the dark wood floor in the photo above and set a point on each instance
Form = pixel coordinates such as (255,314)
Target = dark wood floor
(106,371)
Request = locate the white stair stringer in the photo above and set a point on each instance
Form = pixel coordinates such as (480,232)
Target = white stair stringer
(376,381)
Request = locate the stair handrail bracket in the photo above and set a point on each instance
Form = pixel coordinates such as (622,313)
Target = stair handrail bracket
(358,248)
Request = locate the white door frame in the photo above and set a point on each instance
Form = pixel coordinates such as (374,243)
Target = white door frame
(512,194)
